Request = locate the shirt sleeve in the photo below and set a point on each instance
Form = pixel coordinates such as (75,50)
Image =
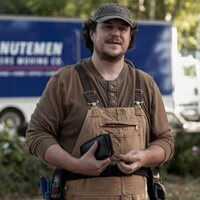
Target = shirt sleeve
(160,133)
(45,121)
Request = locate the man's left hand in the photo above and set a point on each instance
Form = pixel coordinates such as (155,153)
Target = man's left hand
(131,161)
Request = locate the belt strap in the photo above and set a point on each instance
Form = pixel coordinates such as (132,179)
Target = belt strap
(112,170)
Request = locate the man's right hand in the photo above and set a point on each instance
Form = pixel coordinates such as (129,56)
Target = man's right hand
(88,165)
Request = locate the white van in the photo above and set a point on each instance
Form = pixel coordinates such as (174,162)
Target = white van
(187,88)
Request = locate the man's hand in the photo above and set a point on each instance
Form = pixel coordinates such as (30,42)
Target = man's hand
(88,165)
(131,161)
(135,159)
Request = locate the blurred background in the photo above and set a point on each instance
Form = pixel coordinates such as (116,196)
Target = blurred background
(37,37)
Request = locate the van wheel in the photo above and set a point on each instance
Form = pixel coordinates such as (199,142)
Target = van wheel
(12,118)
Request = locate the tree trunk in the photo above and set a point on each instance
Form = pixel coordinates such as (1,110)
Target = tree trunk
(152,9)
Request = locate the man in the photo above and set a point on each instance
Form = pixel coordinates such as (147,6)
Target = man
(64,118)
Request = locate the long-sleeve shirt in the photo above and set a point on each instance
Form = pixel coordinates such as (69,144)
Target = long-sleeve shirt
(61,111)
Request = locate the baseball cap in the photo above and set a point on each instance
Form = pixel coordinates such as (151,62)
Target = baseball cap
(112,11)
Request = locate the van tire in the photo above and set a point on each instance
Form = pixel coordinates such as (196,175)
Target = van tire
(12,117)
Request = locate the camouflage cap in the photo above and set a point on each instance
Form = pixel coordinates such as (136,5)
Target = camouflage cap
(112,11)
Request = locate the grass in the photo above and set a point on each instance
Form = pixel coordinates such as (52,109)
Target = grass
(179,188)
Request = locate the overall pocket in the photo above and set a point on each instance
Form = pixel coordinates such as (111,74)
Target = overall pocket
(125,136)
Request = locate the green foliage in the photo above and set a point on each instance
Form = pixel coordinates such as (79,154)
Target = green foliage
(19,172)
(186,158)
(42,8)
(188,24)
(190,71)
(183,13)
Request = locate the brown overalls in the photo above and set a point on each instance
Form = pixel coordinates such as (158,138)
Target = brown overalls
(128,130)
(127,127)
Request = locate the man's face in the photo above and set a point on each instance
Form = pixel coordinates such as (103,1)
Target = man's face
(111,39)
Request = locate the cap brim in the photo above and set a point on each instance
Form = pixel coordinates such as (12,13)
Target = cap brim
(103,19)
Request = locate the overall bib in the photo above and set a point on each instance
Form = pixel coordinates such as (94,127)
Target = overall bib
(128,129)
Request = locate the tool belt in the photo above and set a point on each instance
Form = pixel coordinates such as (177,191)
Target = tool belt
(155,188)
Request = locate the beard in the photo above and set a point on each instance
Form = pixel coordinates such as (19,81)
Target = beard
(108,56)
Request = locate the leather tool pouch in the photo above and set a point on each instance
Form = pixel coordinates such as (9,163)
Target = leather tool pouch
(160,191)
(58,183)
(104,149)
(156,189)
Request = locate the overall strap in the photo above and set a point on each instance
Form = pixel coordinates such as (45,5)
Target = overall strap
(89,93)
(139,97)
